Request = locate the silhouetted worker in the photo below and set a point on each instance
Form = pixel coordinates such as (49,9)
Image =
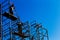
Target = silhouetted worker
(20,27)
(11,8)
(20,24)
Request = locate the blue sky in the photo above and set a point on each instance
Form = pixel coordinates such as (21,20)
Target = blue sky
(46,12)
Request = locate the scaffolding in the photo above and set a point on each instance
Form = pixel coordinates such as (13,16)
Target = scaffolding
(12,28)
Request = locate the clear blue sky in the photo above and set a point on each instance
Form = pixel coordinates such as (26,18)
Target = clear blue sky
(46,12)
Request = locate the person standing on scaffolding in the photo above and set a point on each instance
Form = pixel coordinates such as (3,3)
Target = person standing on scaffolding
(11,8)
